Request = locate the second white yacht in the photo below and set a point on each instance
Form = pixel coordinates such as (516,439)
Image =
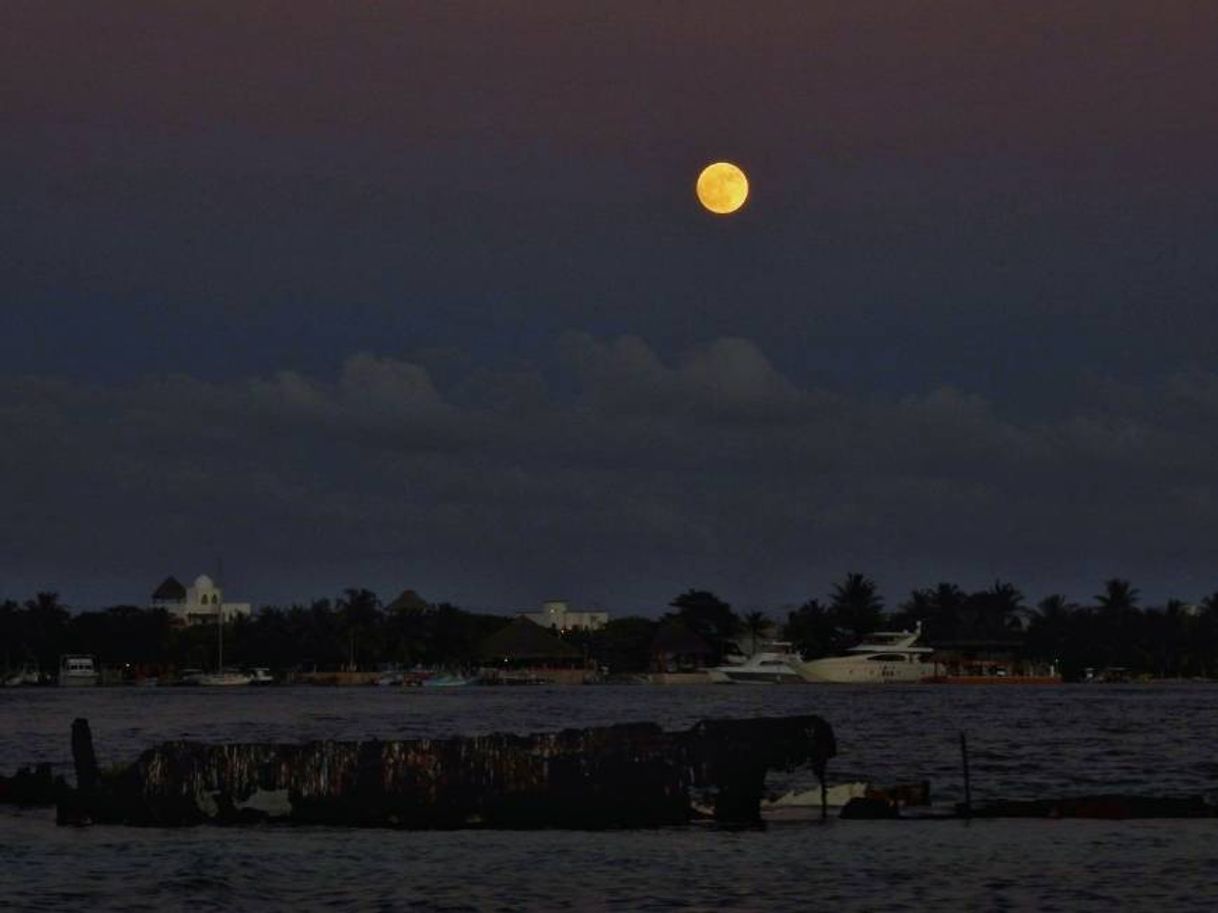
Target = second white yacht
(885,656)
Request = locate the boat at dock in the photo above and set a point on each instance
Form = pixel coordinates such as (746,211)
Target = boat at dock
(225,678)
(954,671)
(26,675)
(446,680)
(884,656)
(775,665)
(76,670)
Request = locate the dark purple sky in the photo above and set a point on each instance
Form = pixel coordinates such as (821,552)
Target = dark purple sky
(418,295)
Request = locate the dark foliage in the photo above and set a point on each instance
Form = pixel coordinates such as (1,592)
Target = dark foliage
(708,616)
(1172,640)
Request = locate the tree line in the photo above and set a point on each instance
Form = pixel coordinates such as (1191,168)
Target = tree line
(355,630)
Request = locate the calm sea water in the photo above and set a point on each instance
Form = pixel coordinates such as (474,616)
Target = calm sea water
(1024,742)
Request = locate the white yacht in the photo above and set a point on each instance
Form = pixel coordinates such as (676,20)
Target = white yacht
(885,656)
(224,678)
(775,665)
(76,669)
(26,675)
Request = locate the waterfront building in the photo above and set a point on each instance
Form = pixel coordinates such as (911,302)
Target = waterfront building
(199,603)
(555,615)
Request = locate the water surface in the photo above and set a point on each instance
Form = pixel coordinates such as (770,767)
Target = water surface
(1025,742)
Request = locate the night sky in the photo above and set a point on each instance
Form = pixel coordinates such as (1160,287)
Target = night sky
(419,295)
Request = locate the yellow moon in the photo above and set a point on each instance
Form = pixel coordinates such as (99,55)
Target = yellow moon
(722,187)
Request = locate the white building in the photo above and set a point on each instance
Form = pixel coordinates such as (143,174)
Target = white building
(196,604)
(555,615)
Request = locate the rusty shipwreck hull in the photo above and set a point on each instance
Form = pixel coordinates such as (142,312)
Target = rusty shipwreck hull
(631,775)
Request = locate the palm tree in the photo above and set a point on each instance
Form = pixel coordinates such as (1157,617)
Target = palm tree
(1118,635)
(1002,604)
(10,627)
(1206,632)
(1119,597)
(1051,633)
(811,630)
(1055,606)
(755,623)
(708,616)
(944,604)
(1175,641)
(360,611)
(46,626)
(856,604)
(917,608)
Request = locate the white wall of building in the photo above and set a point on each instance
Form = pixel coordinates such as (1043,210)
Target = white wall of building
(556,614)
(204,600)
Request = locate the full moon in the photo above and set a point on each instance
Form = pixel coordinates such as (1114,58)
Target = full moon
(722,187)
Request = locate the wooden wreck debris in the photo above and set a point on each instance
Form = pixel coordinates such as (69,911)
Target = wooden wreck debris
(630,775)
(31,786)
(902,794)
(1110,806)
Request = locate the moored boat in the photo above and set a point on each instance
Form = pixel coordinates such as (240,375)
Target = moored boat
(993,672)
(775,665)
(447,680)
(26,675)
(77,669)
(885,656)
(224,678)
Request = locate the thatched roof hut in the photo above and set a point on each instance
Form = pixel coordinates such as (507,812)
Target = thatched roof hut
(523,642)
(408,601)
(170,590)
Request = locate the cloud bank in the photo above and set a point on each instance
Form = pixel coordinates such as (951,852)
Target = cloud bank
(606,472)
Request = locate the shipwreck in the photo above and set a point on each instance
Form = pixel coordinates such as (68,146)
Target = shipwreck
(628,775)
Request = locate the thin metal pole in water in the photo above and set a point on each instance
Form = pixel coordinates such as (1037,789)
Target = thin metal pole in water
(824,800)
(219,616)
(968,789)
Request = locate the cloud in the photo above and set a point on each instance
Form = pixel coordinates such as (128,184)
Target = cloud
(728,378)
(371,390)
(611,472)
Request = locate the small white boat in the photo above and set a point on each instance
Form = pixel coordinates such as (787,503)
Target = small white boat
(76,670)
(885,656)
(260,675)
(392,675)
(447,681)
(776,665)
(223,679)
(26,675)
